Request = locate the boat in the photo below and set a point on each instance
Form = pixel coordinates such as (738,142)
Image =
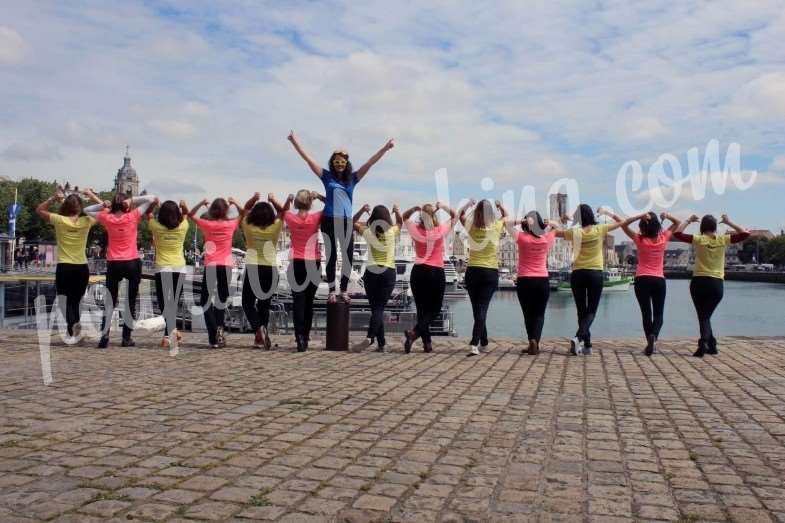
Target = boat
(613,280)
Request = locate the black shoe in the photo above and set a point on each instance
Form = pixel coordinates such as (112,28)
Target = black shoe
(301,343)
(427,347)
(701,349)
(711,346)
(104,342)
(407,342)
(650,348)
(128,342)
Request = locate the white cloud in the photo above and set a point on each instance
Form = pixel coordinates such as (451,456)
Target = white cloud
(762,98)
(174,129)
(12,47)
(27,152)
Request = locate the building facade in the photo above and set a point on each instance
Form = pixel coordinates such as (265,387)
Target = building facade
(126,182)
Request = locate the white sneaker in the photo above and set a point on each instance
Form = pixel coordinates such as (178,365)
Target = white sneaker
(362,345)
(474,350)
(576,347)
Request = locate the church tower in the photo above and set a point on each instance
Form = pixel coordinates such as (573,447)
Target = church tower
(126,181)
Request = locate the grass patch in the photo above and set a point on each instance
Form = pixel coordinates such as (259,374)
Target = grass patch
(110,496)
(366,487)
(693,456)
(688,518)
(8,444)
(260,499)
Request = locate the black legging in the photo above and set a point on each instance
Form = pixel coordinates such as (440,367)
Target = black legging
(168,289)
(427,284)
(214,296)
(650,292)
(338,229)
(533,294)
(259,285)
(379,285)
(706,294)
(71,283)
(481,284)
(303,277)
(116,271)
(586,289)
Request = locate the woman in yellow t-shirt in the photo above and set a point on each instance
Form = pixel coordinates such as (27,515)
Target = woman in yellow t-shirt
(482,268)
(261,225)
(169,230)
(588,239)
(706,286)
(381,235)
(72,226)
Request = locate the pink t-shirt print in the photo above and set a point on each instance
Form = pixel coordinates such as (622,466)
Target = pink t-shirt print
(533,254)
(304,234)
(217,240)
(651,254)
(428,243)
(121,232)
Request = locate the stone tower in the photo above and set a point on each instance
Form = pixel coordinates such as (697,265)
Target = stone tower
(126,181)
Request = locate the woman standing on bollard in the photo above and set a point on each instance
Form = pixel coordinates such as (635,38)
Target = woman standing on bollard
(382,235)
(482,268)
(427,278)
(218,230)
(339,181)
(707,284)
(304,272)
(262,223)
(72,225)
(169,230)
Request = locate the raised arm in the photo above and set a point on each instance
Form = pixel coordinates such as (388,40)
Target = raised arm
(231,201)
(317,170)
(675,222)
(317,196)
(287,204)
(149,214)
(250,203)
(90,195)
(558,230)
(408,212)
(358,226)
(397,213)
(196,208)
(362,171)
(462,211)
(502,211)
(43,208)
(184,212)
(683,225)
(727,221)
(143,202)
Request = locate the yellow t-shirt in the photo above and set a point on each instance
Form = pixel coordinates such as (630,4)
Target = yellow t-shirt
(381,251)
(260,243)
(710,255)
(169,244)
(71,233)
(484,245)
(590,248)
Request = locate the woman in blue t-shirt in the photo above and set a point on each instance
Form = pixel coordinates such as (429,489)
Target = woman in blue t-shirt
(339,181)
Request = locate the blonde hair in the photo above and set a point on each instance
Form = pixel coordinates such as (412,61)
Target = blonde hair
(303,200)
(428,217)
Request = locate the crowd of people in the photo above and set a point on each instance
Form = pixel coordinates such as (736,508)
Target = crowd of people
(262,223)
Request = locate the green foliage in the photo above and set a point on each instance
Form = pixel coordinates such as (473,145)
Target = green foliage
(775,250)
(754,249)
(31,192)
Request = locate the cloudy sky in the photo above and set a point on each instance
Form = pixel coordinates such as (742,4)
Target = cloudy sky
(504,96)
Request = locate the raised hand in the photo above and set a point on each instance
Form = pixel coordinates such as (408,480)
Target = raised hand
(498,204)
(724,219)
(204,201)
(694,218)
(395,208)
(182,203)
(290,198)
(292,138)
(59,196)
(389,145)
(366,208)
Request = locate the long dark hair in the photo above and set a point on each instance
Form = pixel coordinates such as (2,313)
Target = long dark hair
(346,175)
(586,215)
(537,220)
(218,209)
(262,215)
(169,215)
(650,226)
(708,224)
(71,206)
(483,214)
(380,220)
(118,203)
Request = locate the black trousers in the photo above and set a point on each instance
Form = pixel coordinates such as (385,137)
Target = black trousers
(338,230)
(650,292)
(533,294)
(481,284)
(116,271)
(427,285)
(378,289)
(303,277)
(706,295)
(586,290)
(214,297)
(168,289)
(71,281)
(259,285)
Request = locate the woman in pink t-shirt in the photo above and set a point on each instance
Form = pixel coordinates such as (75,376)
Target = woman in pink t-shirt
(304,272)
(650,286)
(427,279)
(533,285)
(218,230)
(121,221)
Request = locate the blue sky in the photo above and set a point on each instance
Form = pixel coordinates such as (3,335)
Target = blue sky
(523,93)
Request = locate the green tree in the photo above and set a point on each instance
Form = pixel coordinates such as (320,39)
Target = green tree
(31,192)
(775,251)
(753,250)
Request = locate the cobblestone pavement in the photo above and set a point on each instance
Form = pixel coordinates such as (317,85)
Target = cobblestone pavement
(237,434)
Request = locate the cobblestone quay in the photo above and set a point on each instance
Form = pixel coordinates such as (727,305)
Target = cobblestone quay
(235,434)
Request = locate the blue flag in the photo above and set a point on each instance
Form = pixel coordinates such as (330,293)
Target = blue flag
(13,212)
